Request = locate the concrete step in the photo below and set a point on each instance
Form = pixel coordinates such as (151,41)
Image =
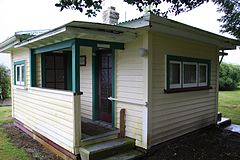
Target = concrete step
(106,149)
(224,122)
(132,154)
(100,138)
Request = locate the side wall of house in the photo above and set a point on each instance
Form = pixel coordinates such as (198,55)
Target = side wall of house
(130,88)
(176,114)
(47,112)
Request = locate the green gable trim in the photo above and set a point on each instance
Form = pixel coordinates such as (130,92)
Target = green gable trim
(32,69)
(55,46)
(24,76)
(94,43)
(182,59)
(81,42)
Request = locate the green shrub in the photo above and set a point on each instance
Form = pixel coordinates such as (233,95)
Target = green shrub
(5,84)
(229,76)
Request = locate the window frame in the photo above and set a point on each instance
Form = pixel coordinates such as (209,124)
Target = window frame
(204,83)
(187,87)
(176,85)
(21,81)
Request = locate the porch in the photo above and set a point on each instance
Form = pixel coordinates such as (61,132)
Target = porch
(51,122)
(62,68)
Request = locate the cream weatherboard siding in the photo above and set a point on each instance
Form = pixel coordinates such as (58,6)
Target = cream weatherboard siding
(47,112)
(130,79)
(86,83)
(50,114)
(178,113)
(38,71)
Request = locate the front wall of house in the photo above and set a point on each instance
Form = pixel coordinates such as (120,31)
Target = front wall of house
(48,113)
(178,113)
(130,86)
(86,83)
(85,80)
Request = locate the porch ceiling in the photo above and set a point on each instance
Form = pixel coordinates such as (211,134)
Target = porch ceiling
(82,30)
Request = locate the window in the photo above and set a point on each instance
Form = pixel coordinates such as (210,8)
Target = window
(55,71)
(203,75)
(19,70)
(187,73)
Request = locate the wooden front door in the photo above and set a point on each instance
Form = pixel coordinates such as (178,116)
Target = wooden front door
(105,85)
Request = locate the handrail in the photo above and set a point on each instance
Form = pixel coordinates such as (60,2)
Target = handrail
(124,101)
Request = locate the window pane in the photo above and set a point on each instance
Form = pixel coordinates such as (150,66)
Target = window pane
(60,86)
(60,76)
(174,73)
(18,73)
(50,76)
(50,85)
(202,74)
(22,73)
(59,62)
(190,73)
(49,62)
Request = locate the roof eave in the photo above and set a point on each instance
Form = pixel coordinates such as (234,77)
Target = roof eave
(183,30)
(73,29)
(8,44)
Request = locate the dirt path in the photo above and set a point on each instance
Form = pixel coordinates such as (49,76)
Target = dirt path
(206,144)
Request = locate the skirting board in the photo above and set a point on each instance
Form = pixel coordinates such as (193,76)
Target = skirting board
(50,145)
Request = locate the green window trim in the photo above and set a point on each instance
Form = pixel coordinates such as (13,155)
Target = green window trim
(183,61)
(16,64)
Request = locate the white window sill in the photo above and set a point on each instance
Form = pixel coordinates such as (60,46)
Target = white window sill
(19,87)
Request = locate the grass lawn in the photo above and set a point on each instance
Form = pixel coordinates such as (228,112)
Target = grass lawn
(229,105)
(7,150)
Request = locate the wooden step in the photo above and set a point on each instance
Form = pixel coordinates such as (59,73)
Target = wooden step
(106,149)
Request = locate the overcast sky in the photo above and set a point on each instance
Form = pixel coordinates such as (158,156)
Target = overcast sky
(20,15)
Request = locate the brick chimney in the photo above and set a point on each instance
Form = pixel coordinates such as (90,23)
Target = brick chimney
(110,16)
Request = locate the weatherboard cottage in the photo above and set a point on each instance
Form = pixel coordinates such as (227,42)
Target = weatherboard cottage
(133,84)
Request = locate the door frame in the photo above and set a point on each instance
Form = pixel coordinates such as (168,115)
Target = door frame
(95,112)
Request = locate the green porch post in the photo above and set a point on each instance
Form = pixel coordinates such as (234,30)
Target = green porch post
(94,84)
(75,67)
(76,96)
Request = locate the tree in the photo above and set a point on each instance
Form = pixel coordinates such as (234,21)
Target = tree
(229,76)
(231,18)
(91,7)
(5,86)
